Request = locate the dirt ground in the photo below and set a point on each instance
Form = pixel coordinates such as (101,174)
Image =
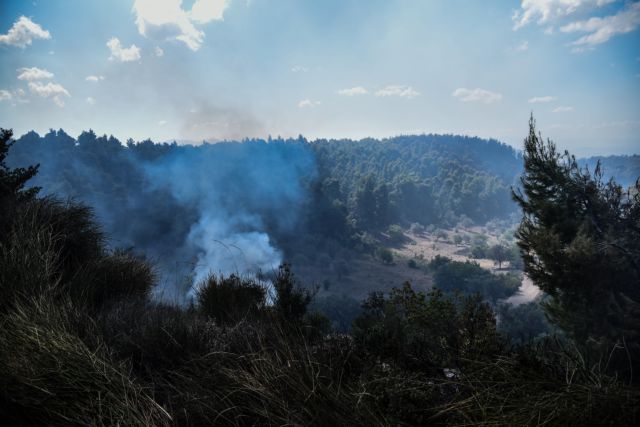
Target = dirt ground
(367,273)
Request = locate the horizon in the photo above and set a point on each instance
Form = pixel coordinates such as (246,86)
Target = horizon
(233,69)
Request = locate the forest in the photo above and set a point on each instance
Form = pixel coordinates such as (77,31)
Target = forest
(157,284)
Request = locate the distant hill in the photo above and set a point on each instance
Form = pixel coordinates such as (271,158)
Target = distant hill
(625,170)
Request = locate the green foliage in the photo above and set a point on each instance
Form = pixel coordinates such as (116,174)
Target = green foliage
(457,239)
(522,323)
(81,344)
(424,179)
(425,332)
(395,232)
(499,253)
(469,278)
(580,242)
(341,310)
(412,263)
(479,246)
(385,255)
(12,182)
(291,300)
(230,299)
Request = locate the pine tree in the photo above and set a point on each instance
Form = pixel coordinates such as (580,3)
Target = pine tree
(580,243)
(12,181)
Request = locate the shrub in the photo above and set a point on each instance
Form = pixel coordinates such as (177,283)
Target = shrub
(290,299)
(49,376)
(116,276)
(230,299)
(385,255)
(395,232)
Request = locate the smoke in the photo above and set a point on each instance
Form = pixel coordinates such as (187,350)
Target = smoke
(241,192)
(192,210)
(210,123)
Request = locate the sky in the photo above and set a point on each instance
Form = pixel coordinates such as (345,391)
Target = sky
(231,69)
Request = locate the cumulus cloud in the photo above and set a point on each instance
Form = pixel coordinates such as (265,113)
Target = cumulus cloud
(476,95)
(542,99)
(91,101)
(122,54)
(522,46)
(50,90)
(299,69)
(544,11)
(204,11)
(398,90)
(353,91)
(562,109)
(94,79)
(307,103)
(33,73)
(167,20)
(5,95)
(23,32)
(600,30)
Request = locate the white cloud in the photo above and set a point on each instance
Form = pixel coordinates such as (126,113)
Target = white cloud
(601,30)
(562,110)
(476,95)
(91,101)
(581,49)
(94,79)
(158,51)
(162,122)
(131,53)
(5,95)
(167,20)
(33,73)
(542,99)
(522,46)
(299,69)
(204,11)
(50,90)
(23,32)
(398,90)
(357,90)
(307,103)
(545,11)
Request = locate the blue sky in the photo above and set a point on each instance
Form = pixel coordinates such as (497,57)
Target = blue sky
(220,69)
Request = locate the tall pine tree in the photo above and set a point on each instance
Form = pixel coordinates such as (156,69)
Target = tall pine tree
(580,242)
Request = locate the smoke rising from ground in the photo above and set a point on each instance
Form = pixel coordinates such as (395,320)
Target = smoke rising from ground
(191,210)
(240,191)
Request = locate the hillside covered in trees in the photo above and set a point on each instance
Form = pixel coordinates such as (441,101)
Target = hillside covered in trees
(85,341)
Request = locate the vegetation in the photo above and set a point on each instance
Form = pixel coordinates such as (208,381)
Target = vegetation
(83,342)
(580,242)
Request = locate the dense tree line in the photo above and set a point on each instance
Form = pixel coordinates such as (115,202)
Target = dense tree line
(82,342)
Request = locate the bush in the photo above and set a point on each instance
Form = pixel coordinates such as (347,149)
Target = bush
(395,232)
(385,255)
(230,299)
(290,299)
(412,263)
(417,229)
(425,332)
(470,278)
(115,276)
(51,377)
